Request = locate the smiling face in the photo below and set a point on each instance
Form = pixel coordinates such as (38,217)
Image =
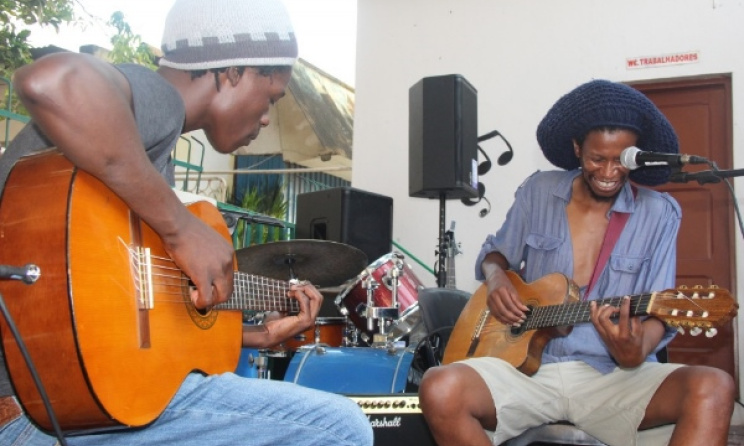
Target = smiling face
(599,157)
(241,107)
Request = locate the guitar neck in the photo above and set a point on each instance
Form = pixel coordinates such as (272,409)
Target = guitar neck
(451,281)
(577,312)
(450,259)
(259,293)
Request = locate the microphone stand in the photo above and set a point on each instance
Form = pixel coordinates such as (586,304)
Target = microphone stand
(705,176)
(442,273)
(712,176)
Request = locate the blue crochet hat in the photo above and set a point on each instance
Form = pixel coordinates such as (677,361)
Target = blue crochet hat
(602,103)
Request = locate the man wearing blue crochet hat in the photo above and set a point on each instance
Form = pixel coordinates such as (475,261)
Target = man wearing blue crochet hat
(612,238)
(225,63)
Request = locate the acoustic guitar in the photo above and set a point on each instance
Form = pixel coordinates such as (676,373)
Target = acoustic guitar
(554,306)
(109,324)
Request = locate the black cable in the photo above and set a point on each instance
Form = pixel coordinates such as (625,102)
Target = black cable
(32,370)
(737,211)
(428,335)
(485,167)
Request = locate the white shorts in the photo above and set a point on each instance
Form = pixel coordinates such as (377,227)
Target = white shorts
(609,407)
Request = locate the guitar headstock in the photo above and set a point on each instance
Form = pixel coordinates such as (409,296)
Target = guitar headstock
(695,309)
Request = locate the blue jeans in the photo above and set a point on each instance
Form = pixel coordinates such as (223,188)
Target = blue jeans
(230,410)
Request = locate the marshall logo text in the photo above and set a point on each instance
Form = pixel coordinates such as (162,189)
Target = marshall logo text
(384,421)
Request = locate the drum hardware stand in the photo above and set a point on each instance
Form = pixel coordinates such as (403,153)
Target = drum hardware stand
(384,315)
(350,335)
(316,339)
(320,349)
(290,260)
(261,363)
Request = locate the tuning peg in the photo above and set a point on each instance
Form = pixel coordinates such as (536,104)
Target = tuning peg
(698,287)
(680,330)
(695,331)
(711,332)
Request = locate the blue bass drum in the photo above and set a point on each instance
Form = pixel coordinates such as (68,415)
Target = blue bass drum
(350,370)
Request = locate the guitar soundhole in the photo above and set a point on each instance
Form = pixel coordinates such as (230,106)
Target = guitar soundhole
(203,318)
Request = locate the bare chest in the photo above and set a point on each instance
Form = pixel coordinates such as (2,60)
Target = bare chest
(587,235)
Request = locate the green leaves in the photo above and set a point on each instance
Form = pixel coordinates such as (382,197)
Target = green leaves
(14,48)
(127,46)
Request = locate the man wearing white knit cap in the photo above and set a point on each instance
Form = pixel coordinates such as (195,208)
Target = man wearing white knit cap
(225,63)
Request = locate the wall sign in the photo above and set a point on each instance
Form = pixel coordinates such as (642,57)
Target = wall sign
(662,60)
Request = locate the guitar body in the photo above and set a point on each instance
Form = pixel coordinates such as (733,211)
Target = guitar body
(522,349)
(105,358)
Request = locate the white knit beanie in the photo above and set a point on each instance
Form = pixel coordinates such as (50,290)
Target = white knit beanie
(205,34)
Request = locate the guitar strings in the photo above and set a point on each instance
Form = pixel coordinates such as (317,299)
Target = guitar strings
(575,312)
(263,290)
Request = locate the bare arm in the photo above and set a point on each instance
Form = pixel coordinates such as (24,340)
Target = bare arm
(280,329)
(83,105)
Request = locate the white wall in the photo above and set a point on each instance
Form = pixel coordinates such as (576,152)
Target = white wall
(521,56)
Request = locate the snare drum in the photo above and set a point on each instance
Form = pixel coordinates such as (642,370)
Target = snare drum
(329,331)
(353,298)
(350,370)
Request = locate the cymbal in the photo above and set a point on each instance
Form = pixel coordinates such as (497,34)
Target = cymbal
(324,263)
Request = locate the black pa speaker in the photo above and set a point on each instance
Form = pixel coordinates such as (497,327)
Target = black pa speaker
(355,217)
(443,138)
(396,419)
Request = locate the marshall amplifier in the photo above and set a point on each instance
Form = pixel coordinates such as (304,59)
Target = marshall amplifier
(396,419)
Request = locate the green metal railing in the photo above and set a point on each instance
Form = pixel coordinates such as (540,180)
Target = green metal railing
(7,113)
(190,166)
(251,228)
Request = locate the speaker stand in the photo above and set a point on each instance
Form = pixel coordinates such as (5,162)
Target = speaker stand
(442,273)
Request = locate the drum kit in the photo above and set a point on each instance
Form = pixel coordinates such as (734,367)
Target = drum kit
(369,319)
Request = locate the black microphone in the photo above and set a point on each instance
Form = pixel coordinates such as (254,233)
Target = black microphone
(632,158)
(28,274)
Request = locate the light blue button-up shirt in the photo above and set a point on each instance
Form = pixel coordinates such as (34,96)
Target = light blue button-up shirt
(535,239)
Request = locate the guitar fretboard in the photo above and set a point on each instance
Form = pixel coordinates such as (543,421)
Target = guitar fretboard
(259,293)
(577,312)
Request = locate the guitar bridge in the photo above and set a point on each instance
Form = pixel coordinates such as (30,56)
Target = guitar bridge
(143,273)
(475,339)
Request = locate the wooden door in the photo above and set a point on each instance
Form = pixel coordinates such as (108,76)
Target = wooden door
(701,113)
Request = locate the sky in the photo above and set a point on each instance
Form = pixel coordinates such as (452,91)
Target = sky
(325,29)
